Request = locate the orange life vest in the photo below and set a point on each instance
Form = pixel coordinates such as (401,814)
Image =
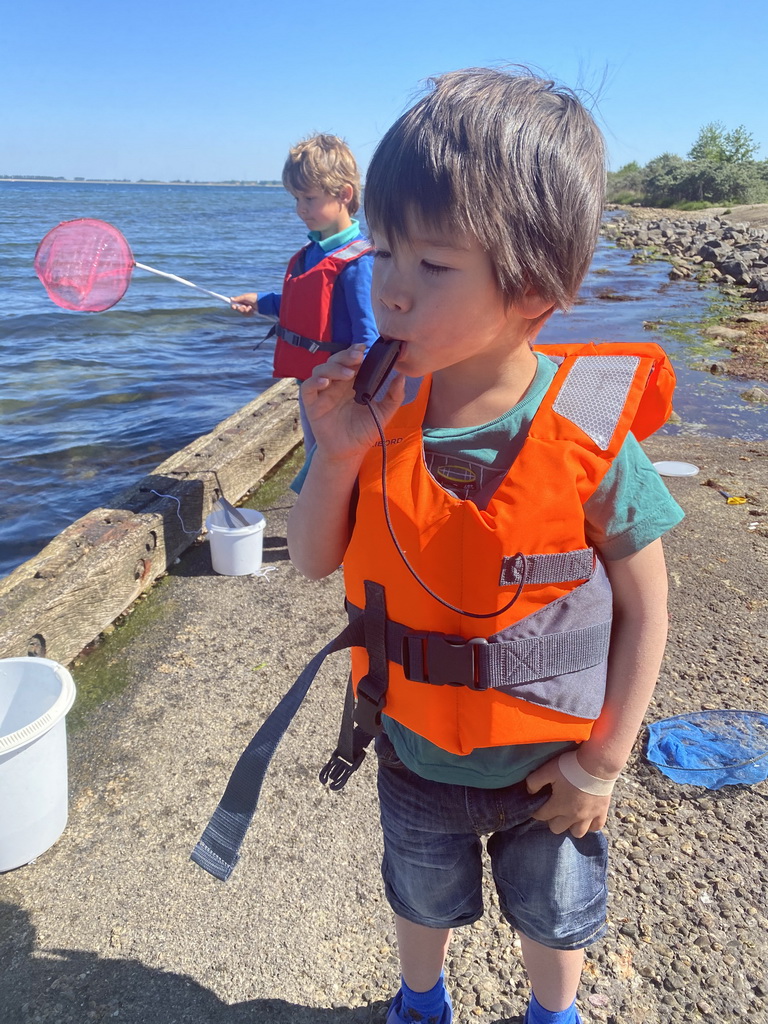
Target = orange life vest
(533,672)
(305,331)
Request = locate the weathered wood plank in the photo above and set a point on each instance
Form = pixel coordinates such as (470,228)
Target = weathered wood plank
(95,568)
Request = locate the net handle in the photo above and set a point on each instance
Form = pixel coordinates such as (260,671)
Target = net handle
(181,280)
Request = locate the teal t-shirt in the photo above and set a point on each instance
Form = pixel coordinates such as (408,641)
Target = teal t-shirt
(631,508)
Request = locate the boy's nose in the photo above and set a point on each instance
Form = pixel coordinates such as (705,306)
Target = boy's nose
(392,293)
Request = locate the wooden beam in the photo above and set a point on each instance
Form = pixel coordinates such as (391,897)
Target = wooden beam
(60,600)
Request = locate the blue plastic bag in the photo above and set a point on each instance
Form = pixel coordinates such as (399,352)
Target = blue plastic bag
(711,748)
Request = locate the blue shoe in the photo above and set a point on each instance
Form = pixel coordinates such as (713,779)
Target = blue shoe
(528,1019)
(398,1015)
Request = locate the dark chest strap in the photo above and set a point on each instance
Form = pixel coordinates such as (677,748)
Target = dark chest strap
(481,664)
(299,341)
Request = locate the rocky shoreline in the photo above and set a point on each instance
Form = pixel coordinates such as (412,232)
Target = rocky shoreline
(710,247)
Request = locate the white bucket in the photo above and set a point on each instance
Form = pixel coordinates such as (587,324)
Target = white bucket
(35,696)
(236,550)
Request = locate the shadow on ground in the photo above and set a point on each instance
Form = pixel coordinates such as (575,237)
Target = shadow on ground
(71,986)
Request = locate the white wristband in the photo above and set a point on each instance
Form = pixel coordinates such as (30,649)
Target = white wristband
(572,771)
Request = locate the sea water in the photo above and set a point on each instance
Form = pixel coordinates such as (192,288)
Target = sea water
(90,402)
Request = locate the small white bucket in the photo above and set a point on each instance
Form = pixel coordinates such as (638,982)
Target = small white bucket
(236,550)
(35,696)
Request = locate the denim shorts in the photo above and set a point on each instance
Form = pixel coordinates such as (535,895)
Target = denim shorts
(551,888)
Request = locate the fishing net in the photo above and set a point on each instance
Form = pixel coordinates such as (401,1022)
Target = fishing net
(711,748)
(84,265)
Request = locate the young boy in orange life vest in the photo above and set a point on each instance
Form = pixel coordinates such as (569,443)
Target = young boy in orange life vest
(484,203)
(325,305)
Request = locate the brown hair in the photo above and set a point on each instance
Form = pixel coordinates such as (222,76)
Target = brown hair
(324,162)
(507,157)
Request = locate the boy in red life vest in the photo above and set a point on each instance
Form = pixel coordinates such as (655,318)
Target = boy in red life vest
(325,305)
(513,690)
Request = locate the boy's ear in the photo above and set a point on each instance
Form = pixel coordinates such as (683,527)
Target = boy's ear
(532,305)
(345,194)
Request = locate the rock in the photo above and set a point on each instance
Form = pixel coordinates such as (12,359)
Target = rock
(738,269)
(755,394)
(750,318)
(679,273)
(726,333)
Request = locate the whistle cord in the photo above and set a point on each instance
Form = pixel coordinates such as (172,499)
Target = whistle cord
(409,567)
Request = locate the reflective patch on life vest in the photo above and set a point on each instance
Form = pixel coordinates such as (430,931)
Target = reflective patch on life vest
(594,394)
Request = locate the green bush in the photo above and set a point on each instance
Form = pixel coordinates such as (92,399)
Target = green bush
(625,198)
(693,204)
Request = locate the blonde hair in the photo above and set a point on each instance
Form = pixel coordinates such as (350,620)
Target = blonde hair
(324,162)
(508,157)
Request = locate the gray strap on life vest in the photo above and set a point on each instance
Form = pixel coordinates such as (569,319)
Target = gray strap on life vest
(479,664)
(217,851)
(361,720)
(559,567)
(438,659)
(594,393)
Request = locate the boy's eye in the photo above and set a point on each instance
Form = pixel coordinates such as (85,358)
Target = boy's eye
(433,268)
(381,254)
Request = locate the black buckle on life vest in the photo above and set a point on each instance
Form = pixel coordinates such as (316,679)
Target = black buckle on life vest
(444,660)
(370,703)
(335,774)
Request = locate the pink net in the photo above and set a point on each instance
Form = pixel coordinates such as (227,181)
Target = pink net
(84,265)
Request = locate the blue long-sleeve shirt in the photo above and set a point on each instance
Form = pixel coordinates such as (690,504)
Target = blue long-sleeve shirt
(351,311)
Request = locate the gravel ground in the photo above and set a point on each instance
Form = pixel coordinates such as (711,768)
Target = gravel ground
(114,923)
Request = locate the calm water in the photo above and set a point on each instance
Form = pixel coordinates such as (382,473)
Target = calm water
(91,402)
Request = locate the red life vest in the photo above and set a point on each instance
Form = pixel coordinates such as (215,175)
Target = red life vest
(535,671)
(305,331)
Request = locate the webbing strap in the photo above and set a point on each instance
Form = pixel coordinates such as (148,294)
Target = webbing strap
(217,851)
(361,721)
(558,567)
(350,749)
(435,658)
(484,665)
(300,341)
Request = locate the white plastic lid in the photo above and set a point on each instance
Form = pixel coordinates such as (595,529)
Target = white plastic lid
(676,468)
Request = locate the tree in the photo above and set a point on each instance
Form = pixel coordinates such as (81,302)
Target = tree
(740,145)
(626,184)
(664,176)
(715,145)
(710,143)
(726,182)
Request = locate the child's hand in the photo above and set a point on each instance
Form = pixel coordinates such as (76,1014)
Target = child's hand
(245,304)
(568,809)
(342,428)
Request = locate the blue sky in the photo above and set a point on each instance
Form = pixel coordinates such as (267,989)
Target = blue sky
(214,91)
